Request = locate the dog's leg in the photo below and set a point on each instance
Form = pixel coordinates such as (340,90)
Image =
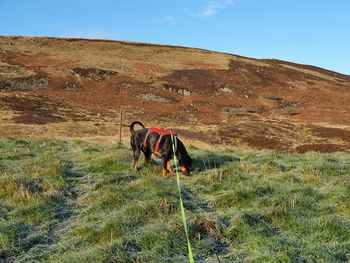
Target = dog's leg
(148,156)
(164,172)
(136,159)
(169,167)
(164,166)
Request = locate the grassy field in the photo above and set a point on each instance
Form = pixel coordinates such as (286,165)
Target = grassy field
(73,201)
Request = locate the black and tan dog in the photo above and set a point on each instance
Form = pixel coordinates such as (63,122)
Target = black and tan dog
(158,142)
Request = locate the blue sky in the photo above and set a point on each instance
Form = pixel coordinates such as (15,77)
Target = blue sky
(315,32)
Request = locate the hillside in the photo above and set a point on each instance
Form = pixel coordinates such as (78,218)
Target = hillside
(75,201)
(74,88)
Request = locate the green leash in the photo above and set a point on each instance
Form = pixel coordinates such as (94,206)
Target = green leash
(183,215)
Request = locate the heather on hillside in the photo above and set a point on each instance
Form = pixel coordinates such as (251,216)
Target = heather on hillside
(76,88)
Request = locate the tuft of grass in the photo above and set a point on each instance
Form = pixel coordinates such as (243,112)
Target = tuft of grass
(270,96)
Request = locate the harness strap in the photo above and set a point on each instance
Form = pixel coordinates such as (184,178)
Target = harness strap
(145,140)
(156,148)
(157,145)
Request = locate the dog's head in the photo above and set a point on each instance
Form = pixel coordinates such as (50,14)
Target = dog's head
(185,164)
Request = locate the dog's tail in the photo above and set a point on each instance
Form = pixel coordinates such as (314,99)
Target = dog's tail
(133,124)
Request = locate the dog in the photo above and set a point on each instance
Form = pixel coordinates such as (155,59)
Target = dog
(158,142)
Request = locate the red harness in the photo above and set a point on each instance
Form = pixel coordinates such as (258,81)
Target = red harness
(161,132)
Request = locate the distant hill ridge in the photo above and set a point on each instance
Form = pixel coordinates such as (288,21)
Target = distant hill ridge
(259,103)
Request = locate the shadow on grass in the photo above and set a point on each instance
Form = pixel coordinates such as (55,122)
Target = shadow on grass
(210,160)
(201,161)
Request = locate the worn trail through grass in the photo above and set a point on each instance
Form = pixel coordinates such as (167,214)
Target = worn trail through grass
(40,197)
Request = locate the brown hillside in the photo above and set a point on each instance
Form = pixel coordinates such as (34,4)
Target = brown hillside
(74,88)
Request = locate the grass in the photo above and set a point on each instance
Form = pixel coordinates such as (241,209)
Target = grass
(81,202)
(270,96)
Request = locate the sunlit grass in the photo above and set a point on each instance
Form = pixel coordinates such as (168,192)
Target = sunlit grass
(81,202)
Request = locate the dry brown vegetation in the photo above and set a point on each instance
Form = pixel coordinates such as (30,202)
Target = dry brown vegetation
(74,88)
